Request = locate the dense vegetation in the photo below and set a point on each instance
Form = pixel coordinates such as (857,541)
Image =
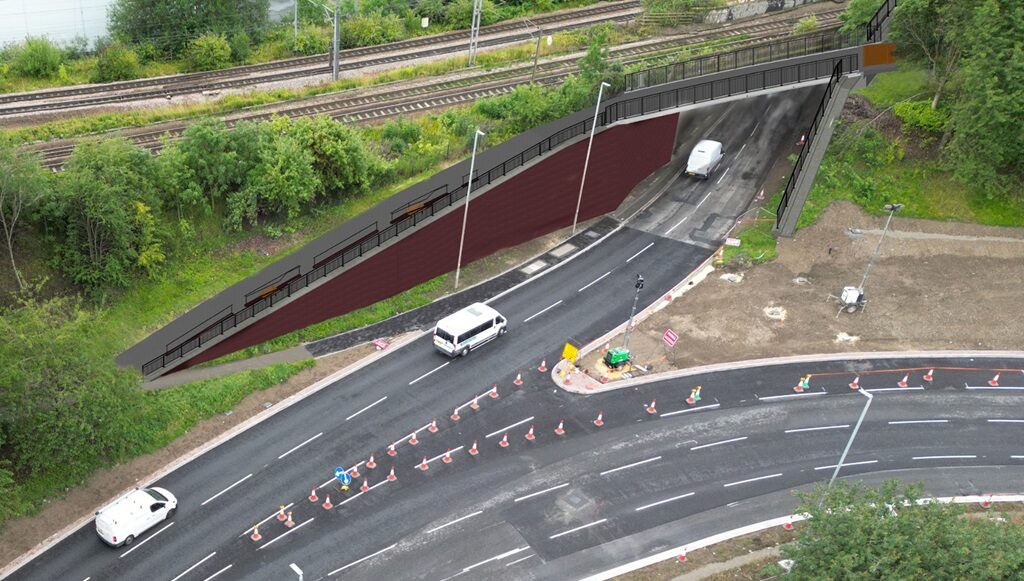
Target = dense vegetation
(888,533)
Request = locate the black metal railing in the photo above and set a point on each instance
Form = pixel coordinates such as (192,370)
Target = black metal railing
(743,57)
(809,136)
(787,75)
(874,26)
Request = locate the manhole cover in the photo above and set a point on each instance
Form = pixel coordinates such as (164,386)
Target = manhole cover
(533,267)
(576,501)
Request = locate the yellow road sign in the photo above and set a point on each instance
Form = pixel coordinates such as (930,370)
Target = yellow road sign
(569,352)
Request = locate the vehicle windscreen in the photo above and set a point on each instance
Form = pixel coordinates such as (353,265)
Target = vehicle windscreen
(159,497)
(444,335)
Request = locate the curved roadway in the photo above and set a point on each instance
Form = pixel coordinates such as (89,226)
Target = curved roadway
(558,506)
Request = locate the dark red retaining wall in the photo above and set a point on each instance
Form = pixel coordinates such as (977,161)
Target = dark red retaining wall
(531,204)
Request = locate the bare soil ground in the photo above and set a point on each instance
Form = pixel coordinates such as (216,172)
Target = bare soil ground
(934,285)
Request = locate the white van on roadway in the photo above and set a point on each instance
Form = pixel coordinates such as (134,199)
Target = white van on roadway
(120,522)
(461,332)
(704,158)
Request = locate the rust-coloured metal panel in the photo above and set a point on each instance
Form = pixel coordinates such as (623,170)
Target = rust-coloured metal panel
(531,204)
(879,54)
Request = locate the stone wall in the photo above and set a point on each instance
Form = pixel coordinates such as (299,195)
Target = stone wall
(743,9)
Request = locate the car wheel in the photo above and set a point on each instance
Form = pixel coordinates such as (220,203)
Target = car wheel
(503,330)
(464,352)
(170,514)
(128,540)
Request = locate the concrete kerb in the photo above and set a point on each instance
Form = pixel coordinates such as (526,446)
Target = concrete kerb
(583,383)
(199,451)
(764,525)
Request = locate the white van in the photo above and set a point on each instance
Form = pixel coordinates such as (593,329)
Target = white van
(461,332)
(120,522)
(704,158)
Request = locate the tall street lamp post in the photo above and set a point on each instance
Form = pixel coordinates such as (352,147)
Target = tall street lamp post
(465,213)
(586,162)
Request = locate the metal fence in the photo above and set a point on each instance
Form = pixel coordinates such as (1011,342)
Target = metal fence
(874,26)
(812,132)
(743,57)
(766,79)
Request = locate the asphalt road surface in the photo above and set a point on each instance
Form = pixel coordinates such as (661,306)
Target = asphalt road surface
(589,519)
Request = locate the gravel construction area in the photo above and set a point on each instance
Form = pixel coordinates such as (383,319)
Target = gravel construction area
(934,285)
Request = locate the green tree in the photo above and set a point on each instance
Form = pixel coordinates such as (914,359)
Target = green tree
(208,52)
(341,159)
(65,403)
(858,13)
(312,40)
(201,167)
(116,62)
(171,24)
(22,186)
(100,236)
(37,57)
(370,30)
(884,534)
(988,140)
(931,33)
(241,45)
(432,9)
(459,13)
(283,182)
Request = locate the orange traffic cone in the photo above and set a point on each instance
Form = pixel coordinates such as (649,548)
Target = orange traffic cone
(929,376)
(494,391)
(289,522)
(903,382)
(994,382)
(519,379)
(504,441)
(803,139)
(986,503)
(423,465)
(391,475)
(560,430)
(354,471)
(543,365)
(327,503)
(681,558)
(473,451)
(529,435)
(256,533)
(392,451)
(650,408)
(364,486)
(280,514)
(433,426)
(475,405)
(455,415)
(447,459)
(600,420)
(312,496)
(855,384)
(788,526)
(412,439)
(371,464)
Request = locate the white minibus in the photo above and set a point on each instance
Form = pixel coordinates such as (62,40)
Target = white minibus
(461,332)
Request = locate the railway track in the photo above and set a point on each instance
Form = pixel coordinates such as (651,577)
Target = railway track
(368,108)
(415,48)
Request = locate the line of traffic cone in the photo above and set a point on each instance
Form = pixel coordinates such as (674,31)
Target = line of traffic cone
(475,405)
(986,503)
(412,439)
(855,384)
(391,450)
(681,558)
(803,385)
(354,471)
(455,415)
(788,525)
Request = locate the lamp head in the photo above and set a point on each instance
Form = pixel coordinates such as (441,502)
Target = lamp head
(893,207)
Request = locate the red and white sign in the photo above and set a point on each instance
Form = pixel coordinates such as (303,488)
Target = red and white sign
(670,337)
(380,344)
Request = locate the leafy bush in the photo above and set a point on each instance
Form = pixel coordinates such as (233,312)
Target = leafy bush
(432,9)
(459,13)
(341,158)
(371,30)
(806,24)
(147,52)
(920,115)
(38,58)
(208,52)
(240,46)
(858,13)
(398,134)
(171,24)
(117,62)
(312,40)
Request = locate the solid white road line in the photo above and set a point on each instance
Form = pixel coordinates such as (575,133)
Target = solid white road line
(899,422)
(300,445)
(366,408)
(329,480)
(701,447)
(439,456)
(272,515)
(354,563)
(1002,387)
(686,411)
(642,250)
(225,490)
(1017,457)
(455,521)
(646,506)
(836,427)
(751,480)
(219,572)
(586,526)
(443,365)
(1002,421)
(655,459)
(805,394)
(593,282)
(521,560)
(679,223)
(881,389)
(541,312)
(538,493)
(496,558)
(149,538)
(183,573)
(832,466)
(362,492)
(725,173)
(756,125)
(963,457)
(290,531)
(507,428)
(741,150)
